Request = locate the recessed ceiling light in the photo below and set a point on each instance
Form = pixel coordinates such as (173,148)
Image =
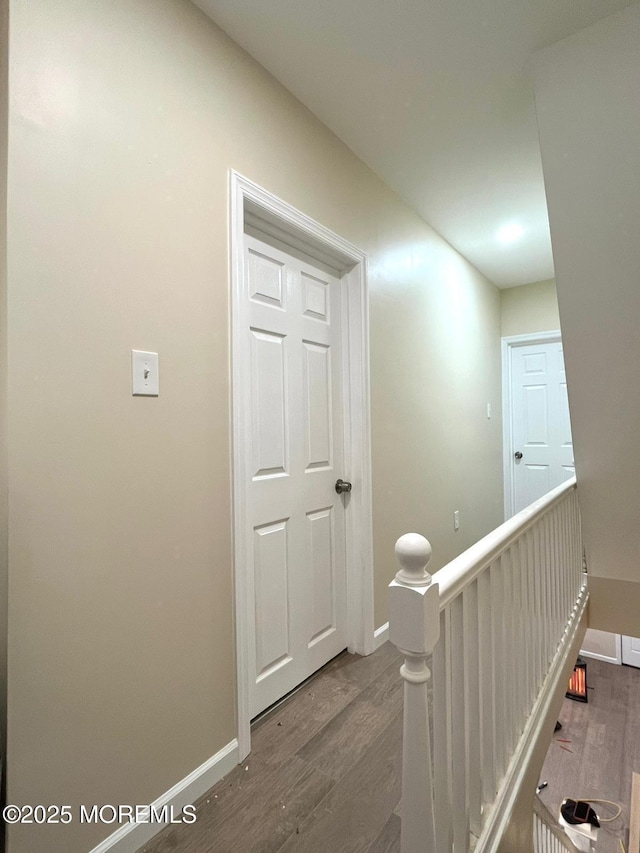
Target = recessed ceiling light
(509,233)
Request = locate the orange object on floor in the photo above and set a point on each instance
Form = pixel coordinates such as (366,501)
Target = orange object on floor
(578,682)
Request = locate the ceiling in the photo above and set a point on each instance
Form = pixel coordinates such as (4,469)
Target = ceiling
(434,95)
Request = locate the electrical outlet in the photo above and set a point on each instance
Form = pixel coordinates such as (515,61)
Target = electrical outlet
(456,519)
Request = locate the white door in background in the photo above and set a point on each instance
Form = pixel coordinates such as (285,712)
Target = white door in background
(631,651)
(541,444)
(296,520)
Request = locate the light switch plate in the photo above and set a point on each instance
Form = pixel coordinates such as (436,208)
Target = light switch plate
(144,373)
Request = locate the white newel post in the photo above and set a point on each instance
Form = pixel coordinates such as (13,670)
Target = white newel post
(414,627)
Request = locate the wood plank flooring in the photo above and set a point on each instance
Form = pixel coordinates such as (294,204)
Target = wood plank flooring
(324,772)
(603,749)
(323,775)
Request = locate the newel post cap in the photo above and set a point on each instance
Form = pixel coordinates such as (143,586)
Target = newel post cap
(413,552)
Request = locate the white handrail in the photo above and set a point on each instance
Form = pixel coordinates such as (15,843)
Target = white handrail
(495,626)
(462,570)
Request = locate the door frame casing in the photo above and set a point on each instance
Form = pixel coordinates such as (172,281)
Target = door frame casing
(509,343)
(276,217)
(625,647)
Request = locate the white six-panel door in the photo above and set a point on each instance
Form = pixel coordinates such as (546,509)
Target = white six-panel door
(541,427)
(541,431)
(296,523)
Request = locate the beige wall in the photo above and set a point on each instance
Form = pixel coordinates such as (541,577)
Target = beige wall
(530,308)
(589,130)
(4,22)
(125,120)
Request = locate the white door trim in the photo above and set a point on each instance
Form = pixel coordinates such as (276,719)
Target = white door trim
(276,217)
(508,345)
(628,654)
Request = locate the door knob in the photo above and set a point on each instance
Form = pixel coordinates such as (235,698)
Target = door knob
(342,487)
(518,455)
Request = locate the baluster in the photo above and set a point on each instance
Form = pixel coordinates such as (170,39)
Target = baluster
(511,647)
(537,582)
(548,591)
(442,763)
(566,573)
(574,545)
(568,556)
(518,615)
(511,559)
(559,569)
(578,546)
(553,594)
(485,660)
(414,628)
(459,755)
(523,621)
(523,631)
(539,578)
(531,623)
(561,576)
(531,617)
(551,600)
(554,578)
(562,569)
(472,705)
(558,516)
(579,557)
(563,593)
(543,600)
(497,639)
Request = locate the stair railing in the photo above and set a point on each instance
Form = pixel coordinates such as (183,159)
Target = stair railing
(492,627)
(548,835)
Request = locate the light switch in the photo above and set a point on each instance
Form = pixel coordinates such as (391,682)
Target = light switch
(456,519)
(144,373)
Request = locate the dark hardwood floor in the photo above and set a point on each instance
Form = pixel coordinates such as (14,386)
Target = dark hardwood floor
(323,775)
(598,748)
(324,772)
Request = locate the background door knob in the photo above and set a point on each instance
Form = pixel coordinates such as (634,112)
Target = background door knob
(518,455)
(342,486)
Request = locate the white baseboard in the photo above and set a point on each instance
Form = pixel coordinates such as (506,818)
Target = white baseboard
(596,656)
(380,636)
(131,836)
(596,643)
